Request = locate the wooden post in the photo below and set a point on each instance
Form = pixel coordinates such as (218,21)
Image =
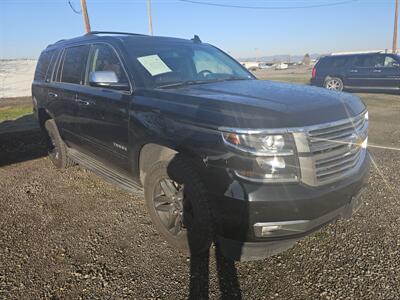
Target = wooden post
(85,16)
(150,18)
(396,17)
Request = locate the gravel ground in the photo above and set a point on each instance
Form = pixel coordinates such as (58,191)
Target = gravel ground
(68,234)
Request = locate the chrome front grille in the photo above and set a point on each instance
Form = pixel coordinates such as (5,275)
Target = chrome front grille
(336,165)
(334,150)
(337,135)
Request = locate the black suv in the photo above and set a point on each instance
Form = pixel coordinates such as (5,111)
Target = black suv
(372,71)
(222,157)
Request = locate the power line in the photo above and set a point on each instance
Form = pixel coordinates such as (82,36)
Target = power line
(73,8)
(270,7)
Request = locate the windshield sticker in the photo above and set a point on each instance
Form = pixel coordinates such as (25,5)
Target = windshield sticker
(154,64)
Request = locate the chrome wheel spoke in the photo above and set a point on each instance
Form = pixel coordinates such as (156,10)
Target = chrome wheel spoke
(168,188)
(165,208)
(172,220)
(175,224)
(163,204)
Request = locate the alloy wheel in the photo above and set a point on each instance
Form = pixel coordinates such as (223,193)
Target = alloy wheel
(333,85)
(53,150)
(168,203)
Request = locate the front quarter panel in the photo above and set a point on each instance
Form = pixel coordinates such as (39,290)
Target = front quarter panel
(171,124)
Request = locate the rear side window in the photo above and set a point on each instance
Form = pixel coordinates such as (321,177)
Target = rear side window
(340,62)
(324,62)
(43,65)
(74,65)
(369,61)
(333,62)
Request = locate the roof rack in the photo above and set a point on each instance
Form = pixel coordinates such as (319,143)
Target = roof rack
(359,52)
(114,32)
(48,46)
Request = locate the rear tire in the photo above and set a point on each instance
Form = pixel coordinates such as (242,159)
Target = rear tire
(57,148)
(178,204)
(334,84)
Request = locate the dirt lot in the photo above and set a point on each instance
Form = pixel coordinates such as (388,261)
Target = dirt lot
(68,234)
(299,74)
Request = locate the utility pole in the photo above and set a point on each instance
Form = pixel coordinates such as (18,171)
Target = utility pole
(150,18)
(85,16)
(396,17)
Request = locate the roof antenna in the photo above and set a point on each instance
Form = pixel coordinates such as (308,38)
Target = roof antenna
(196,39)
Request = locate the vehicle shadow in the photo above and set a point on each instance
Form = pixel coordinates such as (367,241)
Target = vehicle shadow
(21,140)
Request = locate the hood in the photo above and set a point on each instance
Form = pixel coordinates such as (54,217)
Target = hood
(257,104)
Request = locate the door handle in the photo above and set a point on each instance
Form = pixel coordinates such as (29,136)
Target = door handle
(52,95)
(83,102)
(377,71)
(354,71)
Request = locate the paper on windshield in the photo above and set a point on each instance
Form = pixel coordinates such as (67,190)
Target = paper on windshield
(154,64)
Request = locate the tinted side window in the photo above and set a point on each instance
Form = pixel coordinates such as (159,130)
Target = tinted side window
(390,62)
(324,62)
(369,61)
(43,65)
(74,64)
(104,58)
(340,62)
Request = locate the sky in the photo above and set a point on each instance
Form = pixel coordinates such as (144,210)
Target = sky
(28,26)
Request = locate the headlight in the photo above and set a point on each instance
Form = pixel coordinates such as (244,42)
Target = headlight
(273,156)
(261,145)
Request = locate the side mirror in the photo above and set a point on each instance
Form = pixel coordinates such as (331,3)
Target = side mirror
(396,65)
(107,79)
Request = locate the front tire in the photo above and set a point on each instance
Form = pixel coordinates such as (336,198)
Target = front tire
(56,147)
(334,84)
(178,204)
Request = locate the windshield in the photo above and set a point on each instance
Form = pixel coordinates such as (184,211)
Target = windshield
(179,64)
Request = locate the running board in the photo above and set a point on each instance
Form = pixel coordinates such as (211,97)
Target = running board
(372,88)
(103,171)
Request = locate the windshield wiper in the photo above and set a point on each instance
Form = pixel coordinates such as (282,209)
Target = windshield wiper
(231,78)
(183,83)
(193,82)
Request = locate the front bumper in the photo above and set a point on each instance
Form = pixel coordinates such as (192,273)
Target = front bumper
(245,205)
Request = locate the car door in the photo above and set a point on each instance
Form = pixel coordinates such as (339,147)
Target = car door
(104,111)
(386,73)
(359,74)
(62,94)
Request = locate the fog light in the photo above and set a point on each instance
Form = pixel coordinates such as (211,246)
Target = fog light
(270,229)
